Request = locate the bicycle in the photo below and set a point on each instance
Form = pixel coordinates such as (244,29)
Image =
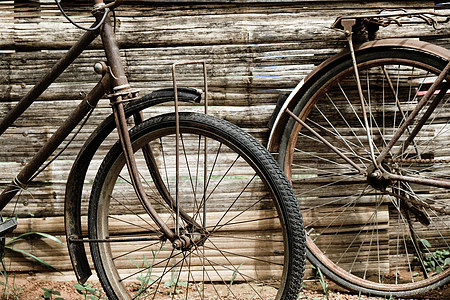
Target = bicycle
(171,195)
(364,140)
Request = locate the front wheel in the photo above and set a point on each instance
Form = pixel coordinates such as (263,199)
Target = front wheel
(236,208)
(387,237)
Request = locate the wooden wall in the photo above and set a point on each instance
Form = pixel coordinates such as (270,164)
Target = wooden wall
(255,49)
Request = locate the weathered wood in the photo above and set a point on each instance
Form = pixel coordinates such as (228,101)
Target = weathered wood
(254,51)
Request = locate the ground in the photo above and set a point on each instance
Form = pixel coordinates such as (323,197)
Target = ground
(28,287)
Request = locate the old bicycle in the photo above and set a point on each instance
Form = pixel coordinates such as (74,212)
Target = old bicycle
(365,141)
(170,196)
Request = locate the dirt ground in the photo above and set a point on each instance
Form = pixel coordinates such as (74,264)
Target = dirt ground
(26,287)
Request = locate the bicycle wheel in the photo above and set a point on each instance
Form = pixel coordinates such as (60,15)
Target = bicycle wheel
(382,237)
(240,214)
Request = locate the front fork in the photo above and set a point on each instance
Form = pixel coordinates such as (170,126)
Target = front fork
(119,93)
(122,128)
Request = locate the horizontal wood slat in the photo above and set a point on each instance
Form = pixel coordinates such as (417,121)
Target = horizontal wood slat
(254,50)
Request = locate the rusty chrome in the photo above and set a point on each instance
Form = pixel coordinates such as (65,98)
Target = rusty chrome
(100,67)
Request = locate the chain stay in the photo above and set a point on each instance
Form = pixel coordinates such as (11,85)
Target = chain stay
(409,199)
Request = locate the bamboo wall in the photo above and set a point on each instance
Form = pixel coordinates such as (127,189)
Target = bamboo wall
(255,50)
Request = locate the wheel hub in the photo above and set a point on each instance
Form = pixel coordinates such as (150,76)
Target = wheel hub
(187,240)
(377,180)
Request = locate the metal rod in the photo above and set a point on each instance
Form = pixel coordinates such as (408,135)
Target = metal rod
(122,129)
(361,98)
(113,240)
(119,85)
(441,183)
(52,144)
(177,151)
(48,79)
(425,117)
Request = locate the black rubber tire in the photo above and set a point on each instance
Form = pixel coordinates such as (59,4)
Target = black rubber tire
(291,136)
(230,137)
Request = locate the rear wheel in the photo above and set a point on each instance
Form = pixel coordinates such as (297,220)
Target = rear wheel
(371,234)
(238,213)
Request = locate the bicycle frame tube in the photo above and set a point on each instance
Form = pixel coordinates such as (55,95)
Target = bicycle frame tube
(72,121)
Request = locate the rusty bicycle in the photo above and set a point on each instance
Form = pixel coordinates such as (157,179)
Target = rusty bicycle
(365,141)
(183,204)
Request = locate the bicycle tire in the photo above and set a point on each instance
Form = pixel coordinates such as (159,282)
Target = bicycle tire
(360,236)
(275,267)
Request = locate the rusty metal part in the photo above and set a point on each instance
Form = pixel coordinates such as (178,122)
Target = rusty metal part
(437,99)
(436,182)
(100,68)
(114,61)
(119,85)
(348,34)
(124,137)
(417,161)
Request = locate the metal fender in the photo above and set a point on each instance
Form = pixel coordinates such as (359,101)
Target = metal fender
(279,119)
(77,175)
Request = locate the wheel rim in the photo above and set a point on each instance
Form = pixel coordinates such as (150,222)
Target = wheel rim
(382,254)
(248,222)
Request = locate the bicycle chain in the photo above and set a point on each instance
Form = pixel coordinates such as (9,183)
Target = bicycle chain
(418,160)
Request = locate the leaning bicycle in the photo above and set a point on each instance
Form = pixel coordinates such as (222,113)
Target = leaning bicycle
(365,141)
(183,204)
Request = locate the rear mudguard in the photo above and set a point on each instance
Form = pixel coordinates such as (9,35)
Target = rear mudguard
(77,176)
(279,118)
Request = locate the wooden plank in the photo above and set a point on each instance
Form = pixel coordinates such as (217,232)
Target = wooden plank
(254,50)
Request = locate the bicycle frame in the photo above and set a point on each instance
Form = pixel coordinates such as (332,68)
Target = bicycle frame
(114,82)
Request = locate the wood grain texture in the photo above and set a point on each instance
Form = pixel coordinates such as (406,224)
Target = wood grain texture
(254,49)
